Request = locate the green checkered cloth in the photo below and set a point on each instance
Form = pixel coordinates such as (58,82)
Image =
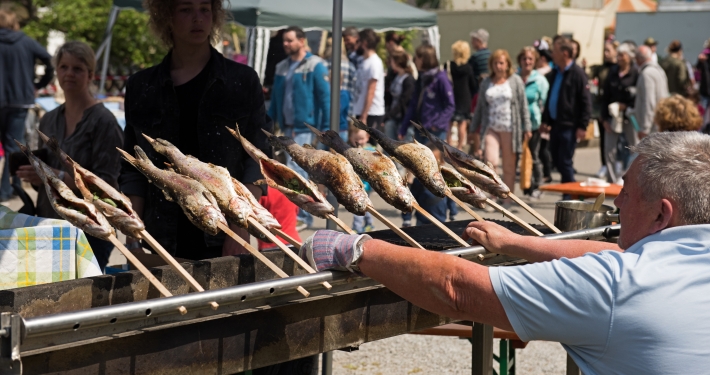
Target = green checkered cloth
(35,250)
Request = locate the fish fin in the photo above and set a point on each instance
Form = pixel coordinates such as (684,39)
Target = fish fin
(140,154)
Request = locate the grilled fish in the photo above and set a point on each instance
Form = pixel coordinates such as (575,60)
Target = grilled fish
(213,177)
(329,169)
(198,204)
(299,190)
(414,156)
(262,215)
(373,167)
(78,212)
(462,188)
(115,206)
(480,174)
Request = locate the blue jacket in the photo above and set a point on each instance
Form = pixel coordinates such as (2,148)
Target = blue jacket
(18,53)
(311,94)
(536,89)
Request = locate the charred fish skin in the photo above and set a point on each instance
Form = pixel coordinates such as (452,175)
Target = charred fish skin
(196,201)
(94,189)
(414,156)
(215,178)
(284,179)
(476,171)
(373,167)
(329,169)
(462,188)
(76,211)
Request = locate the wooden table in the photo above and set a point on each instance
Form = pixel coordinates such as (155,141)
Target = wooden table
(576,190)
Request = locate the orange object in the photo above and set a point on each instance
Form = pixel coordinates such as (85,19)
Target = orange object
(575,189)
(284,212)
(526,166)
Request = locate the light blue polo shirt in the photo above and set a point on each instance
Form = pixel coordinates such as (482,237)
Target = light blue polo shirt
(643,311)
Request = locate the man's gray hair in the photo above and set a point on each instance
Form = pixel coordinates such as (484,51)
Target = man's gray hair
(643,54)
(480,34)
(628,49)
(676,166)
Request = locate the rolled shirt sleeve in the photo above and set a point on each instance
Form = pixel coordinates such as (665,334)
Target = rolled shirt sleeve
(570,301)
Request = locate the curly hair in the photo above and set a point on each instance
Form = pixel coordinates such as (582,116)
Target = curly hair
(677,113)
(161,13)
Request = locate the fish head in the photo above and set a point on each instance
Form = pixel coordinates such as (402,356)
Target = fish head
(280,142)
(211,217)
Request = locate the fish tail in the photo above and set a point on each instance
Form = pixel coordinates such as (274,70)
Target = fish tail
(235,132)
(126,156)
(23,148)
(141,155)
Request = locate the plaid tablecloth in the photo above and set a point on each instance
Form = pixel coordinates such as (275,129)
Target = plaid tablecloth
(35,250)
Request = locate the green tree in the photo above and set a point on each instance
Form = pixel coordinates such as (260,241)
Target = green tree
(85,20)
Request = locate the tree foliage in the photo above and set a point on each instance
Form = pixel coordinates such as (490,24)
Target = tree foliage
(85,20)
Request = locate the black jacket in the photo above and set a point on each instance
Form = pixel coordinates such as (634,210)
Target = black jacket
(574,103)
(704,68)
(233,95)
(618,89)
(18,53)
(465,84)
(396,112)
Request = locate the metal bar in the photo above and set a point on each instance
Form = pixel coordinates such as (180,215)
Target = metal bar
(285,288)
(482,349)
(107,53)
(335,66)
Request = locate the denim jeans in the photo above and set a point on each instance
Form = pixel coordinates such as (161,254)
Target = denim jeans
(563,141)
(360,222)
(300,139)
(12,127)
(102,249)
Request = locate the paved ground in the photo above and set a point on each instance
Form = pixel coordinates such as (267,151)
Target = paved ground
(410,354)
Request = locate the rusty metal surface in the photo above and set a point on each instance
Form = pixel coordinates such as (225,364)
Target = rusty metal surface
(248,341)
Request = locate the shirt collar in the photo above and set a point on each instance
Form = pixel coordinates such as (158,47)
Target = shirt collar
(566,67)
(215,67)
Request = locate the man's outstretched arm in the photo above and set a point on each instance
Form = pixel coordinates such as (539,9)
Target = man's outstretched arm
(500,240)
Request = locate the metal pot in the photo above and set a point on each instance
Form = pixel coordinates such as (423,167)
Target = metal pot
(576,215)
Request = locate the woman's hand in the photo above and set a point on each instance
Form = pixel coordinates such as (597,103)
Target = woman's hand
(478,154)
(527,136)
(607,126)
(400,137)
(27,173)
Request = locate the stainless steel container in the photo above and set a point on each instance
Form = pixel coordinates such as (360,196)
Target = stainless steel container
(576,215)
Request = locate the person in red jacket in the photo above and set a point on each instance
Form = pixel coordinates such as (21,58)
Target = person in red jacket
(285,213)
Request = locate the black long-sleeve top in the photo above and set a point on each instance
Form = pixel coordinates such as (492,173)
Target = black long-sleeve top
(618,89)
(464,86)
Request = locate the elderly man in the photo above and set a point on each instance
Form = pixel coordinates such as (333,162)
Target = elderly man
(479,60)
(636,308)
(651,87)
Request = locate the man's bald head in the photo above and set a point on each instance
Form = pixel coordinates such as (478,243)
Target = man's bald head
(643,54)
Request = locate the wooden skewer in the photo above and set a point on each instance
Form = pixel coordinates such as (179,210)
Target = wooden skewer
(534,213)
(172,262)
(394,228)
(340,223)
(514,217)
(259,256)
(285,249)
(440,225)
(286,237)
(144,271)
(465,207)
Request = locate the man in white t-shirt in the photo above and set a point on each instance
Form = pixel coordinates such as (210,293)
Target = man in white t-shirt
(370,91)
(637,308)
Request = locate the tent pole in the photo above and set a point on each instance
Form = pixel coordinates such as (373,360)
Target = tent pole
(335,66)
(106,47)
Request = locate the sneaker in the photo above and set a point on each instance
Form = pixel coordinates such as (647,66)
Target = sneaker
(536,195)
(406,224)
(301,225)
(547,180)
(602,172)
(369,228)
(620,181)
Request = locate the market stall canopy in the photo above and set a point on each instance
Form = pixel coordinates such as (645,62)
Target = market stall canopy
(318,14)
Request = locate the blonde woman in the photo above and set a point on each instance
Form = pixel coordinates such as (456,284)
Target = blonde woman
(464,83)
(502,115)
(85,129)
(677,114)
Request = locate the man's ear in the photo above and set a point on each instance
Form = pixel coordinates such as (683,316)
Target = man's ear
(664,218)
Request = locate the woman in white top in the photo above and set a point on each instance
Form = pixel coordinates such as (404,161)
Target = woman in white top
(502,116)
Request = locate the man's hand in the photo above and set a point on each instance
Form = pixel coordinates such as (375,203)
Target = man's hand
(363,118)
(27,173)
(527,136)
(495,238)
(332,250)
(607,126)
(581,133)
(544,128)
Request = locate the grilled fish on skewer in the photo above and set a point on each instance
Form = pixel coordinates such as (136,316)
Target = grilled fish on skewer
(373,167)
(462,188)
(299,190)
(215,178)
(115,206)
(414,156)
(329,169)
(198,204)
(480,174)
(262,215)
(78,212)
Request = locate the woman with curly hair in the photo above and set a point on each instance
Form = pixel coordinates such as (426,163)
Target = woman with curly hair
(188,99)
(677,114)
